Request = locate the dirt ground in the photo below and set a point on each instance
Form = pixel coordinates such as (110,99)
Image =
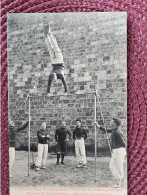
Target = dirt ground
(62,175)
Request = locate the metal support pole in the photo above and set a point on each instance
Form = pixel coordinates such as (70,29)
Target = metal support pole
(29,140)
(68,95)
(95,136)
(104,124)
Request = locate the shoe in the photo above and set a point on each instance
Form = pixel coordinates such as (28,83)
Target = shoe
(37,169)
(62,163)
(79,165)
(57,163)
(43,167)
(48,95)
(10,175)
(84,166)
(65,93)
(116,186)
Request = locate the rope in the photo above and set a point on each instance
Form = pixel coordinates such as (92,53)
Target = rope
(104,123)
(20,106)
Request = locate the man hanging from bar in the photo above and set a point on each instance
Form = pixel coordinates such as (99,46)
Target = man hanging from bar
(62,139)
(79,135)
(118,150)
(56,59)
(12,142)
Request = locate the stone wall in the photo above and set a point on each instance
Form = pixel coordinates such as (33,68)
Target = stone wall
(95,52)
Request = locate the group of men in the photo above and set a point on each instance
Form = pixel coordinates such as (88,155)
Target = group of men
(63,136)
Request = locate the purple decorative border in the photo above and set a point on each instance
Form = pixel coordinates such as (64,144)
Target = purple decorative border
(137,76)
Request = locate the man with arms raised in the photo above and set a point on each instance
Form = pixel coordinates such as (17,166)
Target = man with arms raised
(118,150)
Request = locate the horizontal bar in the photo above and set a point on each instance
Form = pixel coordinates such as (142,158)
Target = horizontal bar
(61,95)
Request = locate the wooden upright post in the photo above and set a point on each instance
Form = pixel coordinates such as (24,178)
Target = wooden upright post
(95,136)
(29,139)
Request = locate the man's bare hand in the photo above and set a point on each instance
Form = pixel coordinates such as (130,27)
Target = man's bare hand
(98,126)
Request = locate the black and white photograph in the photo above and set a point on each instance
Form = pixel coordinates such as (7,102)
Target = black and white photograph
(67,97)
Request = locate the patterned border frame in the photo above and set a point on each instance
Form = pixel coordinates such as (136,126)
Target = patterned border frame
(137,77)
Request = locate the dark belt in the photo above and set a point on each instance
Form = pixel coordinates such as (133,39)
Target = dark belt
(78,138)
(58,65)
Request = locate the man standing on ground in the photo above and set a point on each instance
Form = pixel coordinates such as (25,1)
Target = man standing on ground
(62,139)
(12,141)
(79,135)
(43,138)
(118,150)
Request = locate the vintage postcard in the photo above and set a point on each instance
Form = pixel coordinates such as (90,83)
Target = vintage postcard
(67,95)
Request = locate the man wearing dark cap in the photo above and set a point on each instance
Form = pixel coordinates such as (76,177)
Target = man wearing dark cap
(118,150)
(79,135)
